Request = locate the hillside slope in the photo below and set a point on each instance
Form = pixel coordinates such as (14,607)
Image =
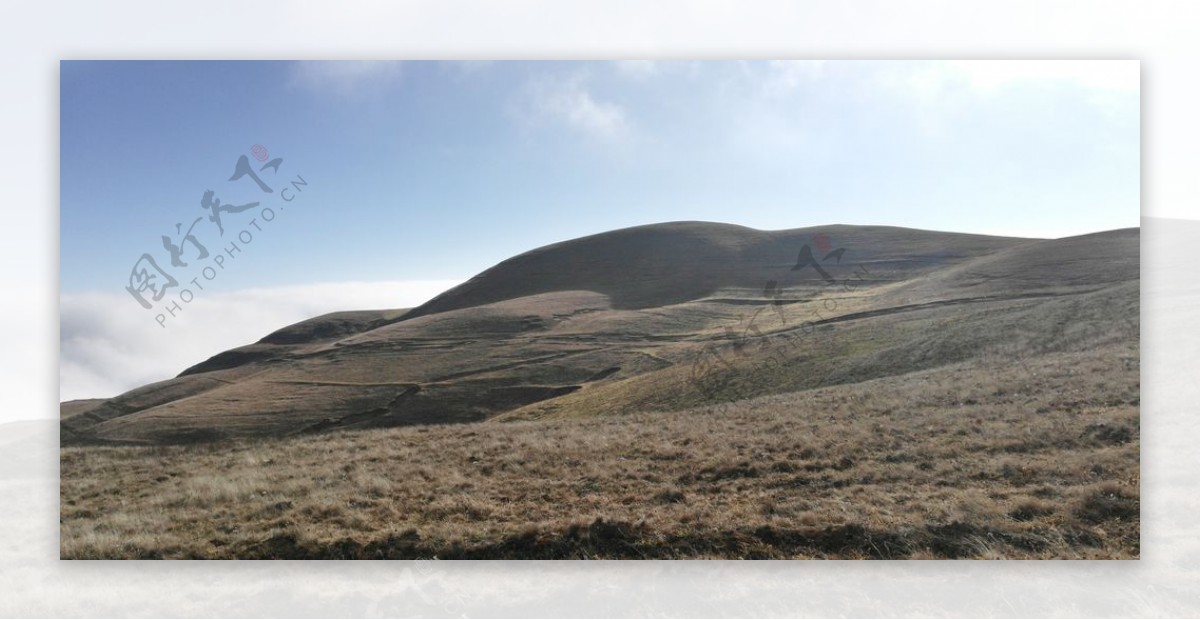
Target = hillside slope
(663,317)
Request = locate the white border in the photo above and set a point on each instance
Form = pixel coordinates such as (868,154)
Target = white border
(35,36)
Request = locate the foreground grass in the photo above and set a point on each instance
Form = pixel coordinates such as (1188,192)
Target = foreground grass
(1036,460)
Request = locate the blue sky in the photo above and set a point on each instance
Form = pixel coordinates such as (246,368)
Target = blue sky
(422,174)
(425,170)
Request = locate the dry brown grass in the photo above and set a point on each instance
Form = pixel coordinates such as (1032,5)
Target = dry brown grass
(665,317)
(975,460)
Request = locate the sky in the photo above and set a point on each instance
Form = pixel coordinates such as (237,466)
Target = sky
(391,181)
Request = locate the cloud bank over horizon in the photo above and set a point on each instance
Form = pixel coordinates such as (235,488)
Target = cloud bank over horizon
(108,345)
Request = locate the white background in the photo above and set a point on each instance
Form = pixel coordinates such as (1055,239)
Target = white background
(35,36)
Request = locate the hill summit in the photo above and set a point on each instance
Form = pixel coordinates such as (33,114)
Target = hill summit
(658,317)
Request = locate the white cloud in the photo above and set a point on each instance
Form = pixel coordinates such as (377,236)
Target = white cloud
(110,345)
(637,69)
(645,70)
(1117,75)
(939,80)
(783,76)
(345,78)
(1109,85)
(568,103)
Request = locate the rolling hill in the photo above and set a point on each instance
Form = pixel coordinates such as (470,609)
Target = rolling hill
(663,317)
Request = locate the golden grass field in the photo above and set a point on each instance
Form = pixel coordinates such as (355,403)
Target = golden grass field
(963,462)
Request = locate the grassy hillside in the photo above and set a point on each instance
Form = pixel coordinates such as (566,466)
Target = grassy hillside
(973,460)
(677,391)
(629,319)
(665,264)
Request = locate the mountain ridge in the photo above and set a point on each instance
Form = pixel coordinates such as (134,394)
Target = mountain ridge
(614,322)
